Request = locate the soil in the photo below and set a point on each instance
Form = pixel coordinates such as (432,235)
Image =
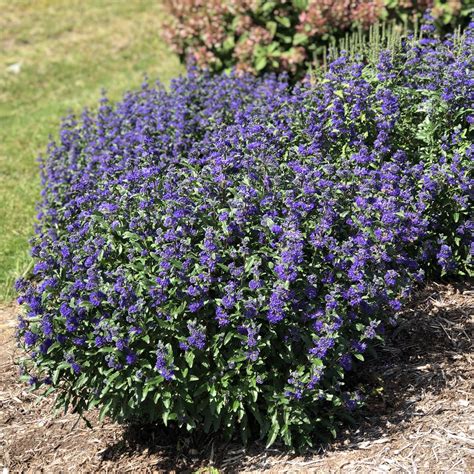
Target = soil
(420,420)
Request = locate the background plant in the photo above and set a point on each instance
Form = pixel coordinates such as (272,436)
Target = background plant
(222,254)
(259,36)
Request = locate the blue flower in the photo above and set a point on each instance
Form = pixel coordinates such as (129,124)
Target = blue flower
(30,338)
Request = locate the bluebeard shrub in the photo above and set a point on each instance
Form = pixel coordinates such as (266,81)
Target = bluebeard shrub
(221,254)
(262,36)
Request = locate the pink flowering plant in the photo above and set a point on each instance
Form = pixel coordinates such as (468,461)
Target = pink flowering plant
(260,36)
(221,256)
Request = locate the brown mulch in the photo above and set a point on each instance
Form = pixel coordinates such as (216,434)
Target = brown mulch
(422,420)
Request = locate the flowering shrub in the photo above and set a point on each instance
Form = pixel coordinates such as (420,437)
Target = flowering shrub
(220,255)
(258,36)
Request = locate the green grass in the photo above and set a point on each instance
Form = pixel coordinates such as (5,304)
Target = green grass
(69,50)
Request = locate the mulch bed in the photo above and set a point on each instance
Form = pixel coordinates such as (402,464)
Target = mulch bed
(421,421)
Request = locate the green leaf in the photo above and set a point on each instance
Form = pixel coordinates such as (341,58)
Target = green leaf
(273,433)
(260,63)
(105,409)
(107,349)
(190,358)
(283,20)
(267,7)
(52,347)
(300,38)
(166,415)
(56,375)
(229,43)
(271,27)
(228,337)
(300,4)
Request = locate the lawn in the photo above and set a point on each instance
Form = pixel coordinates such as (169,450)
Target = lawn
(56,56)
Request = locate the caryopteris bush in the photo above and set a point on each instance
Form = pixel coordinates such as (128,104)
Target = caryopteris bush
(262,36)
(221,254)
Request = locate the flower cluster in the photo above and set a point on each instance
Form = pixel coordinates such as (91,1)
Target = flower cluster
(262,36)
(222,253)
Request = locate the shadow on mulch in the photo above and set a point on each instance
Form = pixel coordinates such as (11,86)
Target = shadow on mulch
(430,337)
(423,355)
